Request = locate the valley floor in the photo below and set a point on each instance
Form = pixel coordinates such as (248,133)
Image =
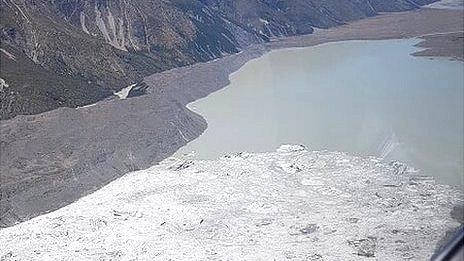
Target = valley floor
(52,159)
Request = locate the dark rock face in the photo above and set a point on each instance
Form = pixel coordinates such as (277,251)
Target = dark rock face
(84,50)
(80,51)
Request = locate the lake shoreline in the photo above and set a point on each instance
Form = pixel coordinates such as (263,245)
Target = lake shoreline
(290,96)
(75,152)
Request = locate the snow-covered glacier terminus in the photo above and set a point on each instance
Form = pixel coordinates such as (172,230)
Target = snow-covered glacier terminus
(289,204)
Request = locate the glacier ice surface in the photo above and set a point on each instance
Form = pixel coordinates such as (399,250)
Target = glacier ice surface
(289,204)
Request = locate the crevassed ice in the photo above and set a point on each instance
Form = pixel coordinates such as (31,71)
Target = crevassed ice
(288,204)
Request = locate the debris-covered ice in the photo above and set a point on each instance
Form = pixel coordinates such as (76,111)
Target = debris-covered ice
(289,204)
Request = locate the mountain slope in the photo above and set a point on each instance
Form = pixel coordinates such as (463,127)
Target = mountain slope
(46,33)
(87,49)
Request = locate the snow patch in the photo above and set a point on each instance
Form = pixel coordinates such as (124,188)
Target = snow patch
(264,21)
(86,106)
(317,30)
(122,94)
(3,84)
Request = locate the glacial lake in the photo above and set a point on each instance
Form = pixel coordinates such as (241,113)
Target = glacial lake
(369,98)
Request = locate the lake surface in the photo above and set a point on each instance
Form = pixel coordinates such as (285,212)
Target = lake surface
(360,97)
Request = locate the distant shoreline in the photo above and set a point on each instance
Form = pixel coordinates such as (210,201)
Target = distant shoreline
(54,158)
(448,45)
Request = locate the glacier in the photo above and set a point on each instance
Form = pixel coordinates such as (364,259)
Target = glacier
(292,203)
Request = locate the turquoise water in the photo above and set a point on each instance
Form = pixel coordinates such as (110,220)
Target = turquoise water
(360,97)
